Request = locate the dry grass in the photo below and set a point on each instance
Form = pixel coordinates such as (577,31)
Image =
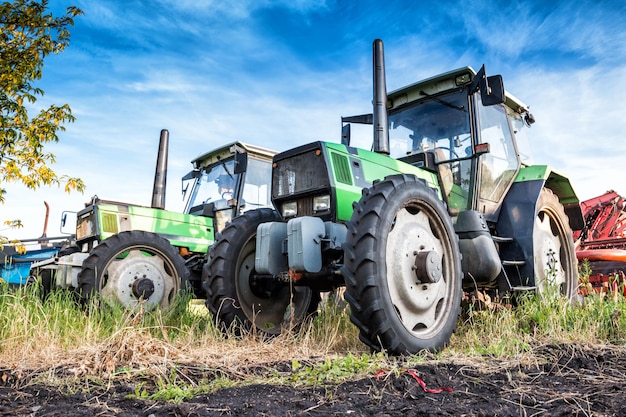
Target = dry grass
(106,343)
(60,340)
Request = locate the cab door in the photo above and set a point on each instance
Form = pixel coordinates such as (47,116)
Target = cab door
(498,166)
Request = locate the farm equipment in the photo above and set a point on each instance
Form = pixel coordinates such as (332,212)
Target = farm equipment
(16,260)
(442,204)
(15,267)
(134,254)
(602,242)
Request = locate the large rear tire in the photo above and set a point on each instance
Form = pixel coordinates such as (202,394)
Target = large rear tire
(402,267)
(554,253)
(133,267)
(236,298)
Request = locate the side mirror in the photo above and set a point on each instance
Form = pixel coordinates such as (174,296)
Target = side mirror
(364,119)
(345,135)
(68,222)
(192,174)
(184,183)
(492,90)
(241,162)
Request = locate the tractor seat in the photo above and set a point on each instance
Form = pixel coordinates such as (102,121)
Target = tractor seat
(445,173)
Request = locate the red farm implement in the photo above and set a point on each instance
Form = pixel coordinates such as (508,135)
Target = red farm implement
(602,242)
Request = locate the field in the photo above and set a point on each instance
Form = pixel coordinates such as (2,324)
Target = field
(543,357)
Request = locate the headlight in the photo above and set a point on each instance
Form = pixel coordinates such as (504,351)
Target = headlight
(290,209)
(321,203)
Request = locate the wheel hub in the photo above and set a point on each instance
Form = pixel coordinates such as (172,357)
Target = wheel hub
(428,266)
(143,288)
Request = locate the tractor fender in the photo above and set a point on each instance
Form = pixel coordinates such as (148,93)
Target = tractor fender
(517,215)
(560,186)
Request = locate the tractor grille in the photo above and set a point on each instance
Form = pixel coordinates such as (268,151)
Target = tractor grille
(299,174)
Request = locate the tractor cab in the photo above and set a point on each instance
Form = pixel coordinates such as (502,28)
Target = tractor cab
(228,181)
(442,124)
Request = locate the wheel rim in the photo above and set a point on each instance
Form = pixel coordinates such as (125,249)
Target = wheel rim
(549,253)
(139,275)
(284,308)
(421,306)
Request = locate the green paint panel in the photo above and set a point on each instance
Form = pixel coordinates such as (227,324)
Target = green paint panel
(563,188)
(182,230)
(365,167)
(533,172)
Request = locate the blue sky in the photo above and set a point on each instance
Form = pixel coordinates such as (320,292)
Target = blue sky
(282,73)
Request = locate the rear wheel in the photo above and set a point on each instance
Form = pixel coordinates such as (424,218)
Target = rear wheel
(133,267)
(402,267)
(554,252)
(237,297)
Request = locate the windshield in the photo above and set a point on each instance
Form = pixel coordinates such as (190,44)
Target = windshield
(441,125)
(440,122)
(218,183)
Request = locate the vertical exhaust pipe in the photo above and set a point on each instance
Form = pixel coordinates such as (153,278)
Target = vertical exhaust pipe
(43,238)
(160,174)
(381,128)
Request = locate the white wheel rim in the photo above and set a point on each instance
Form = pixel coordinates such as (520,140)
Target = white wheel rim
(418,305)
(549,270)
(125,272)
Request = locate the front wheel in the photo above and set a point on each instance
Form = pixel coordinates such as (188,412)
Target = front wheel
(402,267)
(237,296)
(132,268)
(554,252)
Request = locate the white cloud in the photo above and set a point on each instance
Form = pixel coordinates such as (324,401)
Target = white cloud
(520,28)
(580,124)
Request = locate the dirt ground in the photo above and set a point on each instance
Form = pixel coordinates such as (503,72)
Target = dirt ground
(564,380)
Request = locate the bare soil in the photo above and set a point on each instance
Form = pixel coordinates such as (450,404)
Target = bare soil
(558,380)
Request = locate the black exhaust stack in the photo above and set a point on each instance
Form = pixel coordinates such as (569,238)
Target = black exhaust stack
(160,175)
(381,128)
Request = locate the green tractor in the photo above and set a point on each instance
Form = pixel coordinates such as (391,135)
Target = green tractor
(132,254)
(444,203)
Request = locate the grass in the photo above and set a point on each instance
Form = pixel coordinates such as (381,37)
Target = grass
(177,353)
(504,332)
